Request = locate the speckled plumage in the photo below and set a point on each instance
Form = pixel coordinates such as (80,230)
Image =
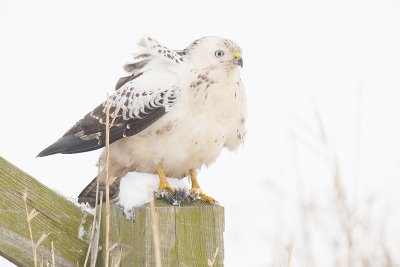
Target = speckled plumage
(178,108)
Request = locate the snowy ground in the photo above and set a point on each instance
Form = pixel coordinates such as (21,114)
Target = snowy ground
(317,181)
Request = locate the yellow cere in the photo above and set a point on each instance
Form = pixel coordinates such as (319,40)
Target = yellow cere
(236,54)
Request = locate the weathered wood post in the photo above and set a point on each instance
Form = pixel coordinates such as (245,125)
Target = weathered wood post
(57,216)
(190,235)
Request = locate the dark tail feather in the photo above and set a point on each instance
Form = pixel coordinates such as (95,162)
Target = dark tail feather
(70,144)
(88,195)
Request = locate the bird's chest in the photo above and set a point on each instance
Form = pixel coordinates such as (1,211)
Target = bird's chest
(209,112)
(219,101)
(207,117)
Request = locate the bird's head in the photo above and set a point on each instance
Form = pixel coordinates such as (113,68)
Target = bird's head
(215,52)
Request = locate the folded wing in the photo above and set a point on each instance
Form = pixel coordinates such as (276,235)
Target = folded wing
(131,111)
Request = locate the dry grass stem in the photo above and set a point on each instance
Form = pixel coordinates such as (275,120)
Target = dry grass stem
(107,182)
(53,261)
(155,234)
(41,239)
(112,180)
(41,263)
(289,250)
(95,249)
(94,218)
(212,262)
(32,215)
(29,217)
(116,260)
(113,246)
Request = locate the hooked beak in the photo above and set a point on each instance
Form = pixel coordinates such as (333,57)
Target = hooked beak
(238,59)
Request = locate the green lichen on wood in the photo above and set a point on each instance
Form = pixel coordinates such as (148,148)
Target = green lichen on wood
(57,216)
(189,235)
(199,233)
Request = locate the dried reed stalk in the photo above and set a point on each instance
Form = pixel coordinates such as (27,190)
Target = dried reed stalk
(96,249)
(212,262)
(53,260)
(155,234)
(94,219)
(107,182)
(29,217)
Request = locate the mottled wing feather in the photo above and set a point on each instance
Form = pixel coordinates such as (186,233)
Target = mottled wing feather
(135,66)
(144,60)
(123,80)
(131,111)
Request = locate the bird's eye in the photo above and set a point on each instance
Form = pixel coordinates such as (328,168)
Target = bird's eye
(219,53)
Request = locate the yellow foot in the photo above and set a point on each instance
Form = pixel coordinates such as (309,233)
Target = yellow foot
(196,191)
(208,199)
(164,185)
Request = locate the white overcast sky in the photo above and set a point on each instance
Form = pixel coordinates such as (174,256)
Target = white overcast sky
(58,60)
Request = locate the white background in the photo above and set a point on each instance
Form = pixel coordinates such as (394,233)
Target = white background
(311,68)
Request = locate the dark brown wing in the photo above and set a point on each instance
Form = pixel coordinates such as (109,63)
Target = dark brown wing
(131,110)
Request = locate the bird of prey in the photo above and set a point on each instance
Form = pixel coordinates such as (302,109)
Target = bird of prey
(172,115)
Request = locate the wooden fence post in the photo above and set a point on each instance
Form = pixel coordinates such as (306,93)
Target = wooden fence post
(190,235)
(57,216)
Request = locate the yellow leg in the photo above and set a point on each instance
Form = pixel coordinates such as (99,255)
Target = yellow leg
(163,181)
(196,191)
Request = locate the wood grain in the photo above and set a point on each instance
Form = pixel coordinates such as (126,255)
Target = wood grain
(57,216)
(189,235)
